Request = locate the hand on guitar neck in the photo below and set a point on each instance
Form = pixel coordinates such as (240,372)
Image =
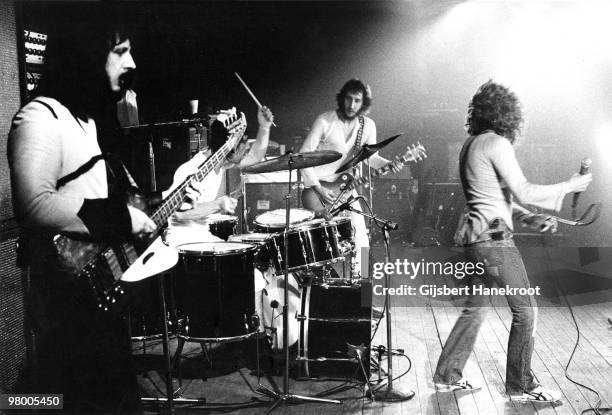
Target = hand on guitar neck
(326,196)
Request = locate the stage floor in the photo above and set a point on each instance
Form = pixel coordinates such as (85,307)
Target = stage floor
(229,384)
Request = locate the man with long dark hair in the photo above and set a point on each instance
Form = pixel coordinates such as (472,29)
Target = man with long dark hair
(495,187)
(67,179)
(343,130)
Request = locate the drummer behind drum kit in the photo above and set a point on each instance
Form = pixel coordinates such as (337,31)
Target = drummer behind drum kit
(239,286)
(241,277)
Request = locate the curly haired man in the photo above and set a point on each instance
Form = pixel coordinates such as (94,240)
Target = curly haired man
(495,188)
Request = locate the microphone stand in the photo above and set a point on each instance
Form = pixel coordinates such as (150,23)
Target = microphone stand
(388,394)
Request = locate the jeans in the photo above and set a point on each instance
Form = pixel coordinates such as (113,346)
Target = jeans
(504,266)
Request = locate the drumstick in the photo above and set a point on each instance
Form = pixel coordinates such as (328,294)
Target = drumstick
(250,92)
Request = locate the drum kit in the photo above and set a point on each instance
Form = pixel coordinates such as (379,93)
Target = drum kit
(251,280)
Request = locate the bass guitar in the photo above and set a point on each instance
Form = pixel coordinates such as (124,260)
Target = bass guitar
(346,182)
(98,267)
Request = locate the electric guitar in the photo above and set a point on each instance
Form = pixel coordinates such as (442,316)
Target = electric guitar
(344,184)
(99,267)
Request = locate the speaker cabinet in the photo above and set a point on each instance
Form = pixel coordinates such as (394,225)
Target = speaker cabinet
(14,343)
(394,199)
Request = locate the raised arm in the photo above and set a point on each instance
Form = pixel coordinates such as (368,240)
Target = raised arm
(548,197)
(265,118)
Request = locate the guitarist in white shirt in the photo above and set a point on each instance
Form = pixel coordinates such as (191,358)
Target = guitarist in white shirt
(339,130)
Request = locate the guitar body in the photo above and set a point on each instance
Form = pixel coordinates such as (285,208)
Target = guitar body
(340,187)
(345,183)
(96,267)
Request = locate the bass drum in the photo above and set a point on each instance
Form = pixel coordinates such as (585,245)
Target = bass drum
(334,330)
(271,301)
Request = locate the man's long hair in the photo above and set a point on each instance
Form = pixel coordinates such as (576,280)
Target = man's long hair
(75,72)
(495,107)
(355,85)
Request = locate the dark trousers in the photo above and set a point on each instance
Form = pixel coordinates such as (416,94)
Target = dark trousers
(79,351)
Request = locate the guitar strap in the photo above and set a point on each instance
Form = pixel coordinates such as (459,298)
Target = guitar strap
(118,177)
(357,145)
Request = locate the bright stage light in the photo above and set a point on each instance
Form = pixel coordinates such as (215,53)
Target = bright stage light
(603,139)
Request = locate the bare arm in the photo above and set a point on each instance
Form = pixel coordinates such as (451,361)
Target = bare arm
(265,118)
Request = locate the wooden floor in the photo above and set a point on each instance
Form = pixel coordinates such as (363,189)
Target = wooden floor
(419,331)
(229,383)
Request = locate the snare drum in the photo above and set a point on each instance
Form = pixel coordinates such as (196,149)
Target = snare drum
(311,244)
(215,290)
(274,220)
(221,225)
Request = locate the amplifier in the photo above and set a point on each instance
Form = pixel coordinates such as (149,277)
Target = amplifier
(395,200)
(266,191)
(439,208)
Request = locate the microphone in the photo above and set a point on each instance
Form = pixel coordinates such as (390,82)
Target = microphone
(391,225)
(343,206)
(585,166)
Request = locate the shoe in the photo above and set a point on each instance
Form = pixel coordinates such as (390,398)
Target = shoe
(538,394)
(461,384)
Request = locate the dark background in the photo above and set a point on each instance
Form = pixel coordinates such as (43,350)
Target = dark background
(423,61)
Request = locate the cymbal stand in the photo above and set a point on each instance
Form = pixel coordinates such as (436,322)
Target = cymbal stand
(388,394)
(285,396)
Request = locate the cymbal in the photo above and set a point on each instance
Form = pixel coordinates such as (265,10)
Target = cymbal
(298,161)
(366,152)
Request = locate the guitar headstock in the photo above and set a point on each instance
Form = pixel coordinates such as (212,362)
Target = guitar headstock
(414,153)
(228,126)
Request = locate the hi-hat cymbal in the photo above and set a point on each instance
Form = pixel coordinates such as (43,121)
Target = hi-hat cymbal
(366,151)
(297,161)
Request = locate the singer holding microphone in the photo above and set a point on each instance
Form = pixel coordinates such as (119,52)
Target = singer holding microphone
(496,191)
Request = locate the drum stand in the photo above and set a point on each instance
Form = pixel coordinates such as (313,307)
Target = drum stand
(170,398)
(388,394)
(284,396)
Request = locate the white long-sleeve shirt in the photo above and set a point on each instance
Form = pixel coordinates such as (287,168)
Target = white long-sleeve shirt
(493,178)
(328,133)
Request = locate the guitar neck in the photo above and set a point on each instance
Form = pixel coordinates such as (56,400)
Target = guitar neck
(375,173)
(175,199)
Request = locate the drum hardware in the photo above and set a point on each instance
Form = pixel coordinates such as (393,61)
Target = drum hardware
(172,396)
(289,162)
